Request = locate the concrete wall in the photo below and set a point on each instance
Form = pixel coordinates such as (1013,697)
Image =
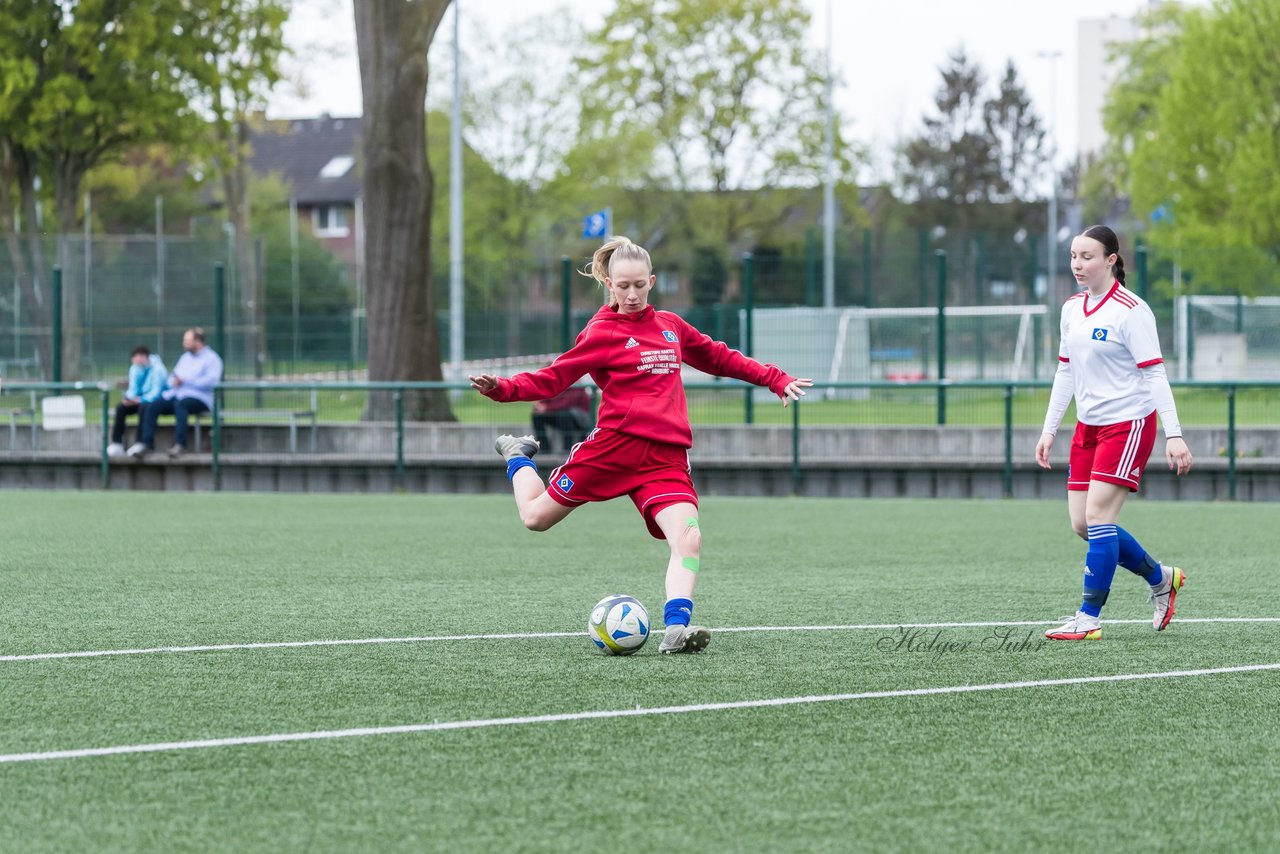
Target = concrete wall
(838,461)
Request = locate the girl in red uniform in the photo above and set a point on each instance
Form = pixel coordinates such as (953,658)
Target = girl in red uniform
(640,445)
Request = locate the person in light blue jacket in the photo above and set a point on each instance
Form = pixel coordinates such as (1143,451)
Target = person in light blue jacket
(190,392)
(147,376)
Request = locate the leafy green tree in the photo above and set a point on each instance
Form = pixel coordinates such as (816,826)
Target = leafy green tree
(706,98)
(238,62)
(83,81)
(978,160)
(1018,142)
(324,293)
(124,192)
(1130,111)
(950,167)
(1208,152)
(519,122)
(975,170)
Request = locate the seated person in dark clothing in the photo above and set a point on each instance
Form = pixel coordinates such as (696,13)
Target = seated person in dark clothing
(566,417)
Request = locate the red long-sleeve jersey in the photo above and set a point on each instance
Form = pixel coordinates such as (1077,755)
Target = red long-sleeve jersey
(635,360)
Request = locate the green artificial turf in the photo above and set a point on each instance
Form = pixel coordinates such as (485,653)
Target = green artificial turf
(1189,763)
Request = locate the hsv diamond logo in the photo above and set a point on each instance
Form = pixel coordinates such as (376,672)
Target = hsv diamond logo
(631,342)
(669,335)
(1099,335)
(565,483)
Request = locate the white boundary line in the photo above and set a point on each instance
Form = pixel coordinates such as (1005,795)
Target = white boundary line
(102,653)
(610,713)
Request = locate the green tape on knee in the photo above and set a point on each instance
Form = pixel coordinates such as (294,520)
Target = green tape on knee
(692,521)
(690,563)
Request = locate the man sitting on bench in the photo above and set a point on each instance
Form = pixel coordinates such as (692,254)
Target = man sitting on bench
(190,392)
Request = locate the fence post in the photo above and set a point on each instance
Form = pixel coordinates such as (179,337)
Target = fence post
(1008,441)
(941,256)
(56,325)
(1231,442)
(980,293)
(748,302)
(219,311)
(922,257)
(867,298)
(810,268)
(399,396)
(564,303)
(1141,252)
(1035,350)
(1191,337)
(215,431)
(106,415)
(795,447)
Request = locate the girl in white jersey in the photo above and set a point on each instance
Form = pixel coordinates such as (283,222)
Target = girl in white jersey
(1110,361)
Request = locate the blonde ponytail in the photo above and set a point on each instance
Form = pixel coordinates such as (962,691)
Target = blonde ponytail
(619,247)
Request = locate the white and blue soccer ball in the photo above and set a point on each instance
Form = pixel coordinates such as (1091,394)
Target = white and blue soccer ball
(619,625)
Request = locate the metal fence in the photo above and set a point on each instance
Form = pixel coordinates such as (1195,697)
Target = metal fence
(324,420)
(307,319)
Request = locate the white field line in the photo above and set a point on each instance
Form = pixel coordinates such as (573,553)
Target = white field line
(481,723)
(851,627)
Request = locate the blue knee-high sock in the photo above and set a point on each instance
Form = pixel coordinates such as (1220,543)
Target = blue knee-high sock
(516,463)
(677,612)
(1134,558)
(1099,567)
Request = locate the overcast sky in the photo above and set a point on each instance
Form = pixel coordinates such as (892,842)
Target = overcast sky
(886,53)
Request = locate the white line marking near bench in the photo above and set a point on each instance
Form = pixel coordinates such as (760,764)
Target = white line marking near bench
(481,723)
(853,627)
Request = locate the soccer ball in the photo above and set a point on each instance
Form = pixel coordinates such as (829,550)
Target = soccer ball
(619,625)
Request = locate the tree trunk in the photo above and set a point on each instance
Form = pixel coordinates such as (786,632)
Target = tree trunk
(29,258)
(392,40)
(12,174)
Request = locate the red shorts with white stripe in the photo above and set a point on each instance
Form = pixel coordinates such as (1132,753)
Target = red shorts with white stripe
(1113,453)
(608,464)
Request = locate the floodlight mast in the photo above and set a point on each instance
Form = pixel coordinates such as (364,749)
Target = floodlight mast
(1051,244)
(456,315)
(828,190)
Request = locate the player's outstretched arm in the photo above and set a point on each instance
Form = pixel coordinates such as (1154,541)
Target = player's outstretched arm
(484,383)
(795,390)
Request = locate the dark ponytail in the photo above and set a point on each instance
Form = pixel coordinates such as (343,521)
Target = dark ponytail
(1110,245)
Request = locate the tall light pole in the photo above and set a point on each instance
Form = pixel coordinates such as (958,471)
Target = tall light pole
(456,326)
(828,191)
(1051,243)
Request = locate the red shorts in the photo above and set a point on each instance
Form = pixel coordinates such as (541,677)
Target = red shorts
(608,464)
(1113,453)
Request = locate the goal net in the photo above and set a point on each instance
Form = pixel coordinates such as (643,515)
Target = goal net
(1227,338)
(1007,342)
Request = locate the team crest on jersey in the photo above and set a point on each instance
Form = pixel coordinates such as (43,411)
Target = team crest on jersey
(1099,334)
(631,342)
(565,483)
(669,335)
